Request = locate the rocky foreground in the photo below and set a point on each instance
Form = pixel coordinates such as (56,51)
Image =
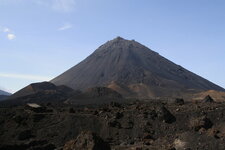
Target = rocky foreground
(136,126)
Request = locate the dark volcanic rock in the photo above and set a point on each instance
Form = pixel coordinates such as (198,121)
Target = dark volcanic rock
(194,141)
(24,135)
(201,122)
(132,70)
(71,110)
(165,115)
(208,99)
(87,141)
(114,123)
(128,126)
(33,145)
(38,117)
(179,101)
(115,104)
(119,115)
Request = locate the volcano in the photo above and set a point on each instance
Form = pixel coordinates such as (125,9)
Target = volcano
(133,70)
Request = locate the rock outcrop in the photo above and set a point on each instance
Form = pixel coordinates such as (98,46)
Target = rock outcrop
(87,141)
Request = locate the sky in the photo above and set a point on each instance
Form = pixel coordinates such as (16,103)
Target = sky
(40,39)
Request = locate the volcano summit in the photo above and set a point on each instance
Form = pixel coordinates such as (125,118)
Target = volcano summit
(133,70)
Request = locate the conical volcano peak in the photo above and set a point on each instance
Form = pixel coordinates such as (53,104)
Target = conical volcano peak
(119,38)
(118,44)
(139,71)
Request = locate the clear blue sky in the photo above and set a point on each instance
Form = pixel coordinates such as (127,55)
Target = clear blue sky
(39,39)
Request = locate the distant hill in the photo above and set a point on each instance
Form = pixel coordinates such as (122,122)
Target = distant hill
(4,93)
(45,92)
(133,70)
(39,93)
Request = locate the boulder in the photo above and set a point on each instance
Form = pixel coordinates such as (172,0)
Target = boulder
(201,122)
(87,141)
(128,124)
(71,110)
(208,99)
(119,115)
(165,115)
(114,123)
(179,101)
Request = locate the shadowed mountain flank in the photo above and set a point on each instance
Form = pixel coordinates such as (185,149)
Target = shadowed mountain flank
(133,70)
(38,93)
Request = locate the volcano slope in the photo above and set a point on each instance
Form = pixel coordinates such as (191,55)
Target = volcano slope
(133,70)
